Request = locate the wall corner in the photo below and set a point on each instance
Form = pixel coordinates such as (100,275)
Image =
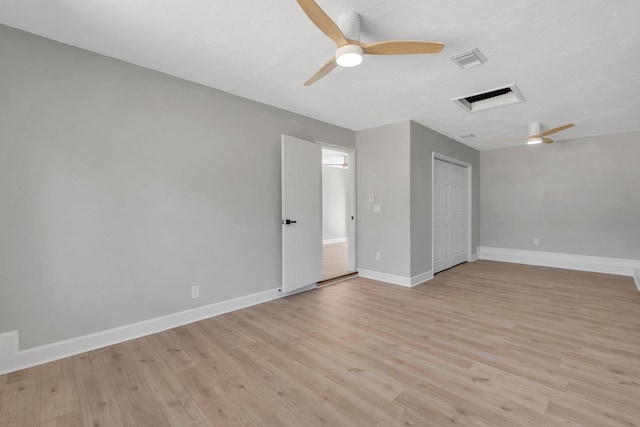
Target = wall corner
(9,342)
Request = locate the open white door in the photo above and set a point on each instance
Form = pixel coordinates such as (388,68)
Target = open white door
(301,213)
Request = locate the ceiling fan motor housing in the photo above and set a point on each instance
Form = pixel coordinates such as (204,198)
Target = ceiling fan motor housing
(349,24)
(534,128)
(349,55)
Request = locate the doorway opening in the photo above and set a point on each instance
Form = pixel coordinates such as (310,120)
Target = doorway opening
(338,216)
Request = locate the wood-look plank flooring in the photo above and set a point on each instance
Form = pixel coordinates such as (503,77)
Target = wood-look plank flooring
(482,344)
(334,260)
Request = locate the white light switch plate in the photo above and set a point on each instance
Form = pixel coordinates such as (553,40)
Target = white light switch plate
(377,208)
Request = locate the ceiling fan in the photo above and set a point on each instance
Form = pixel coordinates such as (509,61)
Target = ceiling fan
(350,50)
(537,137)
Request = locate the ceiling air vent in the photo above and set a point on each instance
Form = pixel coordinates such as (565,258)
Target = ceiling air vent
(491,99)
(469,58)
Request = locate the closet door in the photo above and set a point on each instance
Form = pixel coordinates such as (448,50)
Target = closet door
(450,215)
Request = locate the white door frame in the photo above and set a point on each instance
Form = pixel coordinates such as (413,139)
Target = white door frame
(351,201)
(436,156)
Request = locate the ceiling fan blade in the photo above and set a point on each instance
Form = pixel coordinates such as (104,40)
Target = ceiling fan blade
(547,140)
(554,130)
(401,47)
(322,21)
(326,69)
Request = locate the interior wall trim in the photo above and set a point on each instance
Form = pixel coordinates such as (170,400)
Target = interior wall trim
(421,278)
(13,359)
(621,266)
(393,279)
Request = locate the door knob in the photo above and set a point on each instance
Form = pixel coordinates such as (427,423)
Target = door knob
(288,221)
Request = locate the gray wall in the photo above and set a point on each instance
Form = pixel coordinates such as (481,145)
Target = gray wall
(383,169)
(121,187)
(577,196)
(394,163)
(334,198)
(424,142)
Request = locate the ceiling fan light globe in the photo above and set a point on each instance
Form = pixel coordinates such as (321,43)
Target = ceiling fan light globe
(349,55)
(532,141)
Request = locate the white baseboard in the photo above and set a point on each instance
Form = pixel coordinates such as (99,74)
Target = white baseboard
(421,278)
(13,359)
(331,241)
(636,277)
(621,266)
(474,257)
(405,281)
(385,277)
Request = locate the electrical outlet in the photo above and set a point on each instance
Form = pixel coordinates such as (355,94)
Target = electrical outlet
(536,241)
(195,292)
(377,208)
(378,255)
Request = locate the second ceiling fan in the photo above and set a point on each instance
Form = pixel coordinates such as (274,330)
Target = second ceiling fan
(537,137)
(350,50)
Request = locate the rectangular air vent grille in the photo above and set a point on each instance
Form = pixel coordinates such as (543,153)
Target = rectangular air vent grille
(488,95)
(469,59)
(498,97)
(467,135)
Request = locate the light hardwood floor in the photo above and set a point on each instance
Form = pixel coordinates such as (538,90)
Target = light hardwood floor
(334,260)
(482,344)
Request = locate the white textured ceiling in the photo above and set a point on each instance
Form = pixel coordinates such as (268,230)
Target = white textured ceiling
(574,60)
